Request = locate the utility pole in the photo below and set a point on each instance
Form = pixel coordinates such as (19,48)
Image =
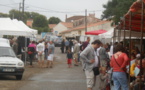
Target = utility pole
(23,11)
(86,20)
(19,11)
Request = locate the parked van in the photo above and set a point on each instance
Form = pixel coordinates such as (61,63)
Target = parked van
(9,63)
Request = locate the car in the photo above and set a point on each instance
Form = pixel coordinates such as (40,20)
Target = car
(58,41)
(9,63)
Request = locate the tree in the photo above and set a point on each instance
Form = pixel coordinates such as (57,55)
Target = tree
(4,15)
(53,20)
(15,14)
(115,9)
(40,23)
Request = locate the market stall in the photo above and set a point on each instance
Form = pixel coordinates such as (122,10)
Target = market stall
(134,22)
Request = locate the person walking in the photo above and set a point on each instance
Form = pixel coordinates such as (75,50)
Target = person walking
(50,57)
(88,57)
(86,43)
(62,46)
(70,44)
(31,52)
(76,52)
(66,45)
(119,61)
(40,52)
(103,56)
(46,50)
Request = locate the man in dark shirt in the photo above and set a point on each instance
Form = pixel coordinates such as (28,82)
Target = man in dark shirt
(85,44)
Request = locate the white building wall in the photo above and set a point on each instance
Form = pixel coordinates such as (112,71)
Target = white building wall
(106,26)
(59,28)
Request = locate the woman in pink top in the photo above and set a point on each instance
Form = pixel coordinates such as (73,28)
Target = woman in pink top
(119,61)
(31,49)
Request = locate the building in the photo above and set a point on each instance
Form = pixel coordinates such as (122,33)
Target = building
(51,26)
(81,20)
(74,22)
(80,31)
(29,23)
(62,26)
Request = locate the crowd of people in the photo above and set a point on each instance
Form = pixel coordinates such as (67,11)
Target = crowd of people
(41,51)
(111,63)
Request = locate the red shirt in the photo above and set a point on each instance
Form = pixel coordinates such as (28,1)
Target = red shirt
(122,60)
(85,44)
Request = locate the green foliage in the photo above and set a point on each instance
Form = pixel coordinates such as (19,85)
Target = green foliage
(42,29)
(53,20)
(115,9)
(4,15)
(39,21)
(15,14)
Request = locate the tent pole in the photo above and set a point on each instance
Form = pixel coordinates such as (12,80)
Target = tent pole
(130,20)
(114,34)
(124,33)
(141,42)
(118,34)
(25,50)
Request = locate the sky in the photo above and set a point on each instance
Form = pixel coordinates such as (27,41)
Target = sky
(56,8)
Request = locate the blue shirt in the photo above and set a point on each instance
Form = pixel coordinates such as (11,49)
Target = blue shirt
(51,47)
(66,43)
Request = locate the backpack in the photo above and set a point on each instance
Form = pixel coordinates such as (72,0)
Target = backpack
(31,50)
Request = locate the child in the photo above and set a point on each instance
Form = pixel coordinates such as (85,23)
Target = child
(69,58)
(103,78)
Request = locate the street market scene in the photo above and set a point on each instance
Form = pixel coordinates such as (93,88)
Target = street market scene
(72,45)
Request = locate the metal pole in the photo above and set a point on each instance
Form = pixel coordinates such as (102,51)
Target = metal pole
(124,32)
(86,20)
(23,11)
(130,20)
(19,11)
(141,42)
(114,35)
(25,37)
(119,35)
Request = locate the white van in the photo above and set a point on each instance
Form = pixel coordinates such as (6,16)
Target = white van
(9,63)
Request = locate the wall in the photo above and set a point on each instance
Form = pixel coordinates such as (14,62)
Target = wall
(59,28)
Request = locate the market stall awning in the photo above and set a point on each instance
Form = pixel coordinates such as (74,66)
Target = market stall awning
(135,23)
(108,34)
(95,32)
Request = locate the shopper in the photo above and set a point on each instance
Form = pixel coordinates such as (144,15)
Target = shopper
(76,52)
(88,58)
(119,61)
(50,57)
(69,58)
(40,53)
(31,52)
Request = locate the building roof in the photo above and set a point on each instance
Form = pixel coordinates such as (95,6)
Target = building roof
(51,25)
(75,17)
(82,27)
(67,24)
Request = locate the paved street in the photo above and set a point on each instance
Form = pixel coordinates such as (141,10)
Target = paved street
(58,78)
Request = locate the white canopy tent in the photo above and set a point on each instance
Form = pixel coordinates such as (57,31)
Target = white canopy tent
(108,34)
(107,37)
(34,32)
(7,27)
(16,22)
